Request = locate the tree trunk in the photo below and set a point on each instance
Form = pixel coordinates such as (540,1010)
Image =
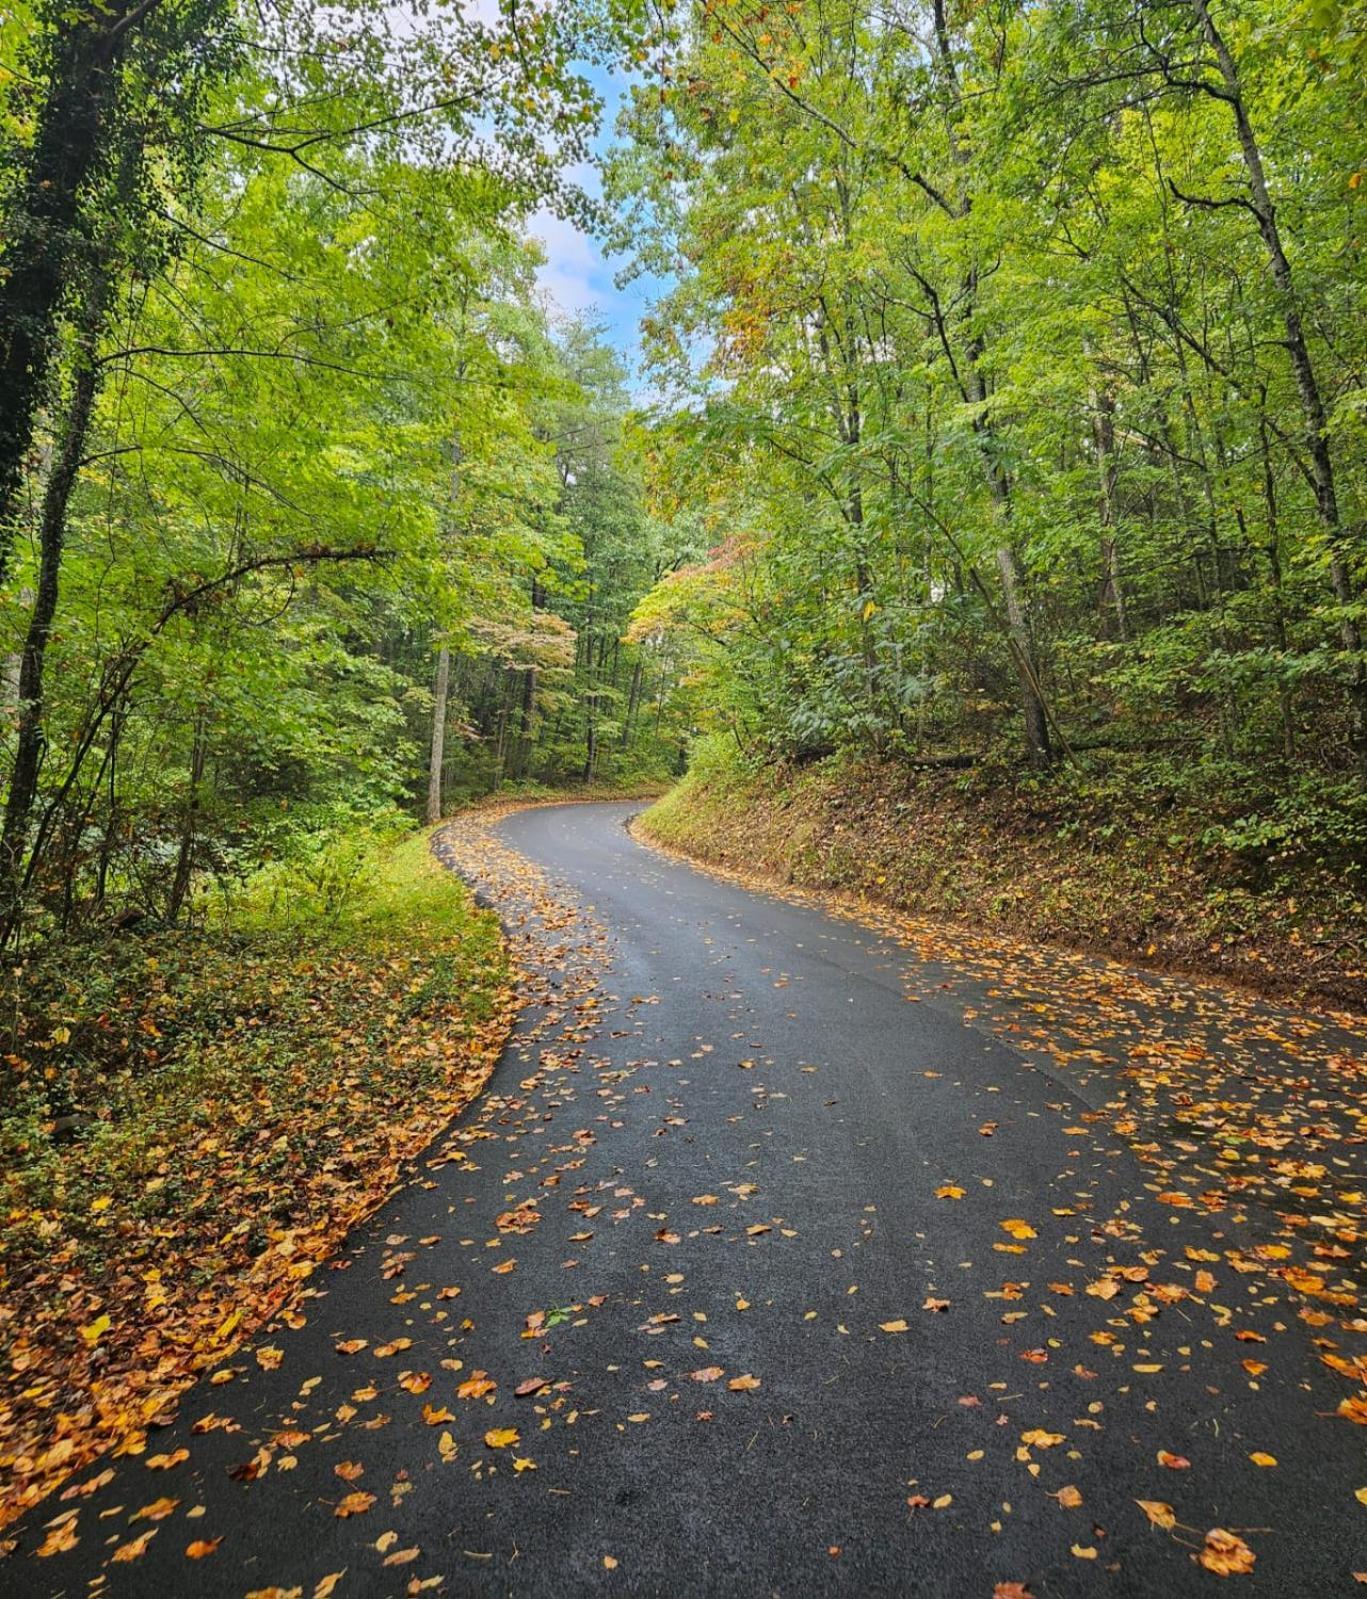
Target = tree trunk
(41,228)
(28,755)
(1103,435)
(633,699)
(526,710)
(438,754)
(1036,717)
(185,861)
(1307,383)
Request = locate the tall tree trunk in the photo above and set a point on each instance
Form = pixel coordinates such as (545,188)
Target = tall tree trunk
(522,754)
(1307,383)
(1103,435)
(28,755)
(974,389)
(438,751)
(185,860)
(633,699)
(41,230)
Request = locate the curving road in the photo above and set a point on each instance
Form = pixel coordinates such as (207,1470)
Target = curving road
(737,1138)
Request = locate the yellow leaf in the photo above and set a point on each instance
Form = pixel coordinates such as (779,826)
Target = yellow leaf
(96,1329)
(897,1326)
(501,1437)
(355,1504)
(158,1510)
(1225,1553)
(136,1548)
(1019,1229)
(1160,1514)
(1260,1457)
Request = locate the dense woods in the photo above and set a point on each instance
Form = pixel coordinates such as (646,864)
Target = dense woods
(294,455)
(1017,359)
(1003,410)
(980,539)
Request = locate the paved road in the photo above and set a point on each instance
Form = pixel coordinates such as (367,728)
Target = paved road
(724,1145)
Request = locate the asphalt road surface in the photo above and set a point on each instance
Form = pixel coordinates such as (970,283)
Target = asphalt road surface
(832,1287)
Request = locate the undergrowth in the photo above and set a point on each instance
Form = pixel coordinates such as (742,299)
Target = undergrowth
(190,1118)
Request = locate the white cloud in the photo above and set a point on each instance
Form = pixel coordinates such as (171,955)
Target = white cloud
(574,277)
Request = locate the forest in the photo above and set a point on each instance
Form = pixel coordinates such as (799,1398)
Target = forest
(1004,405)
(978,525)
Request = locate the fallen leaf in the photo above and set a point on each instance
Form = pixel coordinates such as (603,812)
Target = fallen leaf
(158,1510)
(135,1548)
(1160,1514)
(355,1504)
(1225,1553)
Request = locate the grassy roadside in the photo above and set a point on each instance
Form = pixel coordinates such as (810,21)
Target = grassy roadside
(190,1121)
(1106,869)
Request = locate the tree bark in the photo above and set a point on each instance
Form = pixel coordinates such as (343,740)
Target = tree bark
(185,860)
(1307,382)
(28,755)
(438,753)
(633,700)
(42,231)
(1103,435)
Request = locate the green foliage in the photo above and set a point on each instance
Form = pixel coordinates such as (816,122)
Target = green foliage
(994,371)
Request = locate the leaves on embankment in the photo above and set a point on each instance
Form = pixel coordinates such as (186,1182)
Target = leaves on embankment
(252,1097)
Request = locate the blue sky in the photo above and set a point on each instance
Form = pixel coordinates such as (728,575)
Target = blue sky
(578,276)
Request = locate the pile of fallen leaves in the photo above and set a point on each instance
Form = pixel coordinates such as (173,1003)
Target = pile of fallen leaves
(1113,869)
(189,1123)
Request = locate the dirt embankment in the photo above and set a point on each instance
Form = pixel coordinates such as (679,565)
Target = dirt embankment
(1132,883)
